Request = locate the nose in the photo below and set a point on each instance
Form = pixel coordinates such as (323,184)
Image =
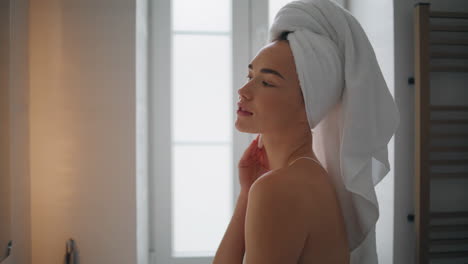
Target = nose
(243,92)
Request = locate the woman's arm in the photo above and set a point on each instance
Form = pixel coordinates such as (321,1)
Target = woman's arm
(232,248)
(252,165)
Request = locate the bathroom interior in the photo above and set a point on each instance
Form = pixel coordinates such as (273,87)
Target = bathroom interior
(96,137)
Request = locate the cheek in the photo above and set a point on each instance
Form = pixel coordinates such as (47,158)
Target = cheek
(277,107)
(269,102)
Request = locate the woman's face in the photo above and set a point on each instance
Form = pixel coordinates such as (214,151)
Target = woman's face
(272,92)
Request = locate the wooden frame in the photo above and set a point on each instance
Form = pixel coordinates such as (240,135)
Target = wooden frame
(423,135)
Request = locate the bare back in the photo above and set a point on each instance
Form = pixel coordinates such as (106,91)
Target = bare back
(326,242)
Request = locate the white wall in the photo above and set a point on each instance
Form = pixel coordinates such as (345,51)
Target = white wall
(83,132)
(404,235)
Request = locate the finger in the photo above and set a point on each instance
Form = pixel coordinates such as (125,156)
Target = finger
(251,146)
(264,159)
(250,152)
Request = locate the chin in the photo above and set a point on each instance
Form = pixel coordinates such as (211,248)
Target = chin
(244,129)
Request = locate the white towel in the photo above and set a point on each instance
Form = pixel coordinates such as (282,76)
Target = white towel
(350,110)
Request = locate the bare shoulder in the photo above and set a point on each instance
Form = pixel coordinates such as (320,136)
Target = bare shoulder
(304,181)
(278,182)
(276,222)
(282,187)
(311,175)
(310,184)
(315,185)
(306,190)
(304,176)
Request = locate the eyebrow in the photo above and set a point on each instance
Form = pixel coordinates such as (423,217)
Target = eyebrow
(266,70)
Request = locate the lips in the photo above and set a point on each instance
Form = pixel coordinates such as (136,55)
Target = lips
(243,108)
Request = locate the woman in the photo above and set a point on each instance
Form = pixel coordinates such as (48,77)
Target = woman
(316,86)
(306,223)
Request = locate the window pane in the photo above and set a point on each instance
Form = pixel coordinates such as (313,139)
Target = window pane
(202,88)
(201,126)
(206,15)
(202,198)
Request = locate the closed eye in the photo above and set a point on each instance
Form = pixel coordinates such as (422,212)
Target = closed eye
(264,83)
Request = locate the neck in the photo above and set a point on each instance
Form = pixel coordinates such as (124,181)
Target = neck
(283,148)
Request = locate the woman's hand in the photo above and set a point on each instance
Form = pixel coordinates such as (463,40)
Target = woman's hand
(252,165)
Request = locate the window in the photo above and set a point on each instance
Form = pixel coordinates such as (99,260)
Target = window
(202,127)
(199,52)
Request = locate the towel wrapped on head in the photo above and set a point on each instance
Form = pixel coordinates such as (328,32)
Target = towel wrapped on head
(349,107)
